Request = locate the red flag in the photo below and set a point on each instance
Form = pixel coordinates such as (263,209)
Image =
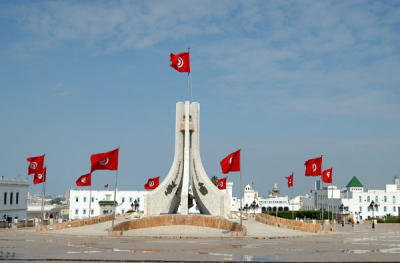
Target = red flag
(290,180)
(231,163)
(152,183)
(313,166)
(311,191)
(84,180)
(327,176)
(180,62)
(40,177)
(35,164)
(105,161)
(106,186)
(222,183)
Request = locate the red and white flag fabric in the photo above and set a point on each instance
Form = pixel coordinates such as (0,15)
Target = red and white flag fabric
(84,180)
(222,183)
(327,176)
(290,180)
(152,183)
(40,177)
(105,161)
(35,164)
(231,163)
(313,166)
(181,61)
(106,186)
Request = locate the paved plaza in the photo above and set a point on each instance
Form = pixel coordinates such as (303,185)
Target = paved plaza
(189,243)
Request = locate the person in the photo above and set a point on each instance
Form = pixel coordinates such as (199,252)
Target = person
(9,220)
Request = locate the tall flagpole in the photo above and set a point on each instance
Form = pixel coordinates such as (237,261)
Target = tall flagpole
(43,194)
(322,188)
(115,193)
(188,78)
(241,191)
(292,195)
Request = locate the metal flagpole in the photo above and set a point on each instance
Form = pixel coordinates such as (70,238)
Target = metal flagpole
(188,79)
(292,196)
(241,191)
(114,205)
(43,194)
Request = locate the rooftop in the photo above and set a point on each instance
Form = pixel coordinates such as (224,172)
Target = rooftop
(354,182)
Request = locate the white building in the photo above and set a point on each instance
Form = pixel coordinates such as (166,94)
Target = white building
(98,202)
(252,202)
(356,202)
(13,198)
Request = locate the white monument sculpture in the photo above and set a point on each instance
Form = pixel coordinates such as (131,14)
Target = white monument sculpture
(173,191)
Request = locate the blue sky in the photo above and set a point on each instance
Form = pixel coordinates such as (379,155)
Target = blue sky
(284,81)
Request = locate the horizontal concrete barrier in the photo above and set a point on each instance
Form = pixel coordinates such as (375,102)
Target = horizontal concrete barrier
(76,223)
(292,224)
(193,220)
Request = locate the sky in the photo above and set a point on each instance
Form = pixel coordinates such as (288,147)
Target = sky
(285,81)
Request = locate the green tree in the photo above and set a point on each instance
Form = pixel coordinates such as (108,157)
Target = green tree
(214,180)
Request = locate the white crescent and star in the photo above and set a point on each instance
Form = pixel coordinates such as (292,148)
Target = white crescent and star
(180,62)
(151,184)
(314,167)
(83,180)
(104,161)
(33,165)
(40,176)
(328,174)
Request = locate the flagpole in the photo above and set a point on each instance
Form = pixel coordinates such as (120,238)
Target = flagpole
(188,78)
(241,191)
(322,188)
(292,195)
(44,192)
(115,194)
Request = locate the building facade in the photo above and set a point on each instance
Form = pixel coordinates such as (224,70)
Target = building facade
(85,203)
(356,202)
(13,198)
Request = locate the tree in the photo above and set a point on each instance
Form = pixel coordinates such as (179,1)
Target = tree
(214,180)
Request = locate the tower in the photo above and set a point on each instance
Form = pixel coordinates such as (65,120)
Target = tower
(187,167)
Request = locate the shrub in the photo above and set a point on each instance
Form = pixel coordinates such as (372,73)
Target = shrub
(309,214)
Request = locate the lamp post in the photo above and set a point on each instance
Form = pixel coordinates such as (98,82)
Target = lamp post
(341,209)
(373,206)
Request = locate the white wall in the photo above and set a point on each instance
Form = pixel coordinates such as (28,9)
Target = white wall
(14,188)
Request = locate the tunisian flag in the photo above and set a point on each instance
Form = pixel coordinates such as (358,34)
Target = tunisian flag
(313,166)
(40,177)
(180,62)
(105,161)
(35,164)
(152,183)
(222,183)
(327,176)
(84,180)
(231,163)
(290,180)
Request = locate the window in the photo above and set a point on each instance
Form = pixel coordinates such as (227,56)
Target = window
(385,199)
(76,199)
(123,199)
(123,211)
(376,199)
(92,199)
(11,198)
(130,199)
(84,211)
(84,199)
(76,211)
(360,209)
(394,209)
(384,208)
(368,199)
(369,209)
(16,198)
(394,199)
(91,212)
(5,198)
(360,198)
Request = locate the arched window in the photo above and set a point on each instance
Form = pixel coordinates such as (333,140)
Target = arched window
(16,198)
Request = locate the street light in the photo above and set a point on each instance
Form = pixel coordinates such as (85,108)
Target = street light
(373,206)
(341,209)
